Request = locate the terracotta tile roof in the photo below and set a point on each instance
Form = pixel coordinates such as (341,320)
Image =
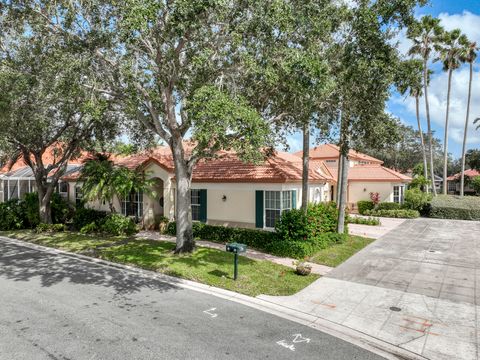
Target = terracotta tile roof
(331,151)
(371,173)
(468,173)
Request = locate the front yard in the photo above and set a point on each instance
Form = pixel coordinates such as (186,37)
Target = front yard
(209,266)
(338,253)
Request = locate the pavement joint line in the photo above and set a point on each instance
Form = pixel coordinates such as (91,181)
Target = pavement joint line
(355,337)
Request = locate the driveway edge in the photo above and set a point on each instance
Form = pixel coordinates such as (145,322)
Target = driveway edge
(374,345)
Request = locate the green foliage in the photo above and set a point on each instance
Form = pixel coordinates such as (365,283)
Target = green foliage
(416,199)
(89,228)
(455,207)
(472,158)
(475,184)
(364,205)
(50,228)
(116,224)
(363,221)
(293,226)
(402,213)
(303,249)
(32,211)
(62,211)
(85,216)
(12,215)
(388,206)
(419,182)
(322,218)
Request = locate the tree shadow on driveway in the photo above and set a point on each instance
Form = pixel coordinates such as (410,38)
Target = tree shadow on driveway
(21,263)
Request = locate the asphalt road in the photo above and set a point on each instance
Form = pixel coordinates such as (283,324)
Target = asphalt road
(60,307)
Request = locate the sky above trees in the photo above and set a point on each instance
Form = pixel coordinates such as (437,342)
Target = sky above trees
(465,15)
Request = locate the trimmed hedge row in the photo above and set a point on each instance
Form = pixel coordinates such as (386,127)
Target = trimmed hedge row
(268,241)
(455,207)
(364,205)
(402,213)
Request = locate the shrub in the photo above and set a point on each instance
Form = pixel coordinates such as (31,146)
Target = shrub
(62,211)
(365,205)
(89,228)
(85,216)
(293,226)
(303,249)
(401,213)
(116,224)
(51,228)
(388,206)
(375,197)
(32,210)
(475,184)
(455,207)
(416,199)
(12,215)
(363,221)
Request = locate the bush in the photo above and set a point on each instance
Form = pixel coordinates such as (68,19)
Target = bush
(51,228)
(416,199)
(388,206)
(365,205)
(12,215)
(455,207)
(303,249)
(89,228)
(62,211)
(293,226)
(322,218)
(32,212)
(402,213)
(363,221)
(85,216)
(116,224)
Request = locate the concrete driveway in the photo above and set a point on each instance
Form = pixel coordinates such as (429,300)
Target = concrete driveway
(416,288)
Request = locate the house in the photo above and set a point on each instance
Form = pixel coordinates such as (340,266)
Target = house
(226,191)
(365,175)
(453,182)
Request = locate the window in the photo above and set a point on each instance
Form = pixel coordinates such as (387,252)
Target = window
(398,193)
(276,202)
(63,189)
(133,205)
(78,195)
(452,186)
(195,196)
(331,161)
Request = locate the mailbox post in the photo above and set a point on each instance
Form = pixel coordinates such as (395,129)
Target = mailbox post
(236,249)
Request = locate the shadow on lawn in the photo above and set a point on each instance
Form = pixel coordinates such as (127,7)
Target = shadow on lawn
(21,263)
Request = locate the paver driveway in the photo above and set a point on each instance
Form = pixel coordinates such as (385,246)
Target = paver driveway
(437,258)
(415,288)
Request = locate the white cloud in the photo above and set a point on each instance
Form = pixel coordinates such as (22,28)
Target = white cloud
(469,23)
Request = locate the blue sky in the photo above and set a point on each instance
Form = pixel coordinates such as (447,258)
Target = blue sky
(465,15)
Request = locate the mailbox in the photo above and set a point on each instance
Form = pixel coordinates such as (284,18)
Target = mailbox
(236,249)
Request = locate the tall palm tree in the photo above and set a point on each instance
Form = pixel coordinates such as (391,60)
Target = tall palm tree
(469,56)
(450,49)
(411,80)
(424,35)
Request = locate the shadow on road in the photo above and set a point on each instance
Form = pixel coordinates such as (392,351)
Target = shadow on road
(20,263)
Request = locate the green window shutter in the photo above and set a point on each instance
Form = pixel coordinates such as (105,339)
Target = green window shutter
(203,206)
(259,209)
(294,199)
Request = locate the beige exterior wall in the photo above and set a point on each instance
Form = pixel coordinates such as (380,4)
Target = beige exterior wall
(361,190)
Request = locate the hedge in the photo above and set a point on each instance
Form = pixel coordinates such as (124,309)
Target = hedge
(363,221)
(455,207)
(388,206)
(304,249)
(402,213)
(364,205)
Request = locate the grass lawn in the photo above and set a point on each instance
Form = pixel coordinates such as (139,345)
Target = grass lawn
(338,253)
(208,266)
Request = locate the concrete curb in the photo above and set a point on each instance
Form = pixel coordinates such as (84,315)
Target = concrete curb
(374,345)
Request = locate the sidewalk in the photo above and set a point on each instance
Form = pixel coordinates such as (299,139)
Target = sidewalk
(375,231)
(251,254)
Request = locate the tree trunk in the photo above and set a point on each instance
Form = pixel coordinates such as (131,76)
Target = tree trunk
(429,125)
(343,180)
(422,141)
(183,212)
(464,146)
(339,175)
(445,140)
(306,162)
(44,201)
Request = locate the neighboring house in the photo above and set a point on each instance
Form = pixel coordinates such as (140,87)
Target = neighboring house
(226,191)
(365,175)
(453,182)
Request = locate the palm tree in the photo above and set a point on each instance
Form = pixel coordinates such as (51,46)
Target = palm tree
(424,35)
(410,79)
(469,56)
(450,49)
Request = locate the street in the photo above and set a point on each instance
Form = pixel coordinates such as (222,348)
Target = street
(59,307)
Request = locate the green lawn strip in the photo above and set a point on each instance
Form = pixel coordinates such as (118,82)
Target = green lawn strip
(338,253)
(209,266)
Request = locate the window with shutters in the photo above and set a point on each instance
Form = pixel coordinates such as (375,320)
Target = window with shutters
(195,195)
(276,202)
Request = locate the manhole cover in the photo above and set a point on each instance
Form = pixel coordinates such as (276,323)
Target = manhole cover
(394,308)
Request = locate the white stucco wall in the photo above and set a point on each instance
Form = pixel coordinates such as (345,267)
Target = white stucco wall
(361,190)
